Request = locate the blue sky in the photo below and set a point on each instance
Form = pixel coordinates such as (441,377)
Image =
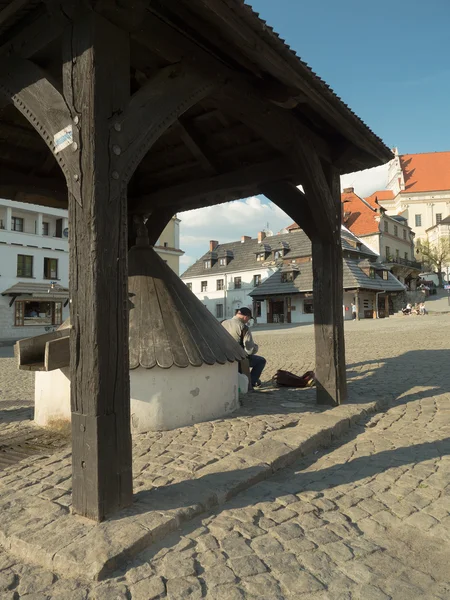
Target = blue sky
(388,60)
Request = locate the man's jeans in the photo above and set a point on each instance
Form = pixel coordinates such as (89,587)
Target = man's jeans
(257,364)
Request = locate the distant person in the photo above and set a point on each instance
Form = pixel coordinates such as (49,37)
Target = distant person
(422,309)
(237,327)
(353,311)
(407,309)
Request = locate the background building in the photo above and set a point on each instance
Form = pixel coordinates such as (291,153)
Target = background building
(273,277)
(420,189)
(168,245)
(34,269)
(389,236)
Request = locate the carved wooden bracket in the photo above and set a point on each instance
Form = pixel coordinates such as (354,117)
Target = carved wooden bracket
(29,88)
(152,110)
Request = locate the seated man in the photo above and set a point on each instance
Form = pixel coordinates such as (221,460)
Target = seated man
(237,328)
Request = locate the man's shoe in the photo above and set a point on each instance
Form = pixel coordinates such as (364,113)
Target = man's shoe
(257,384)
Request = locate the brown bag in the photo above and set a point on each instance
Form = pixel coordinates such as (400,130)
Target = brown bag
(288,379)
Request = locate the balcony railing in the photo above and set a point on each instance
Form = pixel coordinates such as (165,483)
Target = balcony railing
(403,261)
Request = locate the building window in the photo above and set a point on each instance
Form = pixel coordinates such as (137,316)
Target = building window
(207,264)
(388,253)
(223,262)
(219,311)
(257,309)
(260,257)
(438,218)
(418,220)
(372,273)
(386,227)
(30,312)
(256,280)
(166,244)
(44,228)
(219,285)
(406,256)
(395,230)
(17,224)
(308,307)
(285,277)
(385,275)
(237,283)
(397,253)
(404,234)
(277,254)
(50,268)
(204,286)
(189,286)
(24,266)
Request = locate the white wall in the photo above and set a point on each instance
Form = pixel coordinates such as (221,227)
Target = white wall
(161,399)
(230,297)
(426,204)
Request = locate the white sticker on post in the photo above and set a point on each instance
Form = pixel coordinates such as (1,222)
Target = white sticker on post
(63,138)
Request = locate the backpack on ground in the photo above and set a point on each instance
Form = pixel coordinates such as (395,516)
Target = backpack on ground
(288,379)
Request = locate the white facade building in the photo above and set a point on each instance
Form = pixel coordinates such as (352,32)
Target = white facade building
(420,185)
(34,269)
(223,280)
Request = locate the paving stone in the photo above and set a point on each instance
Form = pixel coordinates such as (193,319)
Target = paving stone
(322,536)
(370,592)
(177,565)
(300,582)
(281,563)
(184,587)
(287,531)
(218,575)
(245,566)
(35,581)
(338,552)
(235,547)
(8,580)
(110,591)
(266,544)
(148,589)
(227,592)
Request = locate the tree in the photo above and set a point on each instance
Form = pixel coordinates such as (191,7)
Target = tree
(435,255)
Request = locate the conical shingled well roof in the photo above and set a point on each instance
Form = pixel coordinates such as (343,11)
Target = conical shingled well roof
(169,326)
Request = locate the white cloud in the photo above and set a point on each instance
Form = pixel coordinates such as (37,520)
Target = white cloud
(368,181)
(228,222)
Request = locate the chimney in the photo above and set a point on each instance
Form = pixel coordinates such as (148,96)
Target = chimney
(213,245)
(349,190)
(261,236)
(245,238)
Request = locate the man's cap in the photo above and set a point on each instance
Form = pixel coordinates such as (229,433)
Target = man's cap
(245,311)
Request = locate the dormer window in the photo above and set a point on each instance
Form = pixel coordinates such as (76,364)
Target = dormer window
(372,273)
(222,262)
(288,276)
(385,275)
(207,264)
(261,256)
(277,254)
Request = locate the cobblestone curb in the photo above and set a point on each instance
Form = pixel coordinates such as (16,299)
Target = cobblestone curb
(35,530)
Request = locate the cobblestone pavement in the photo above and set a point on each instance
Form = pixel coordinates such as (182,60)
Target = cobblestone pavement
(367,519)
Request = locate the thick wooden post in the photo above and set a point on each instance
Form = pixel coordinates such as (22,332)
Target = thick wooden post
(96,88)
(386,306)
(357,305)
(328,292)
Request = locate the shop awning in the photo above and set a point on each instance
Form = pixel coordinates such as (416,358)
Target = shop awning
(44,292)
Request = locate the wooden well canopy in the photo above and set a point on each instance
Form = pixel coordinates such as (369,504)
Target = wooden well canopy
(117,108)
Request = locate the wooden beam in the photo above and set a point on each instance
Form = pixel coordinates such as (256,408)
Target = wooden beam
(235,185)
(287,68)
(197,147)
(240,97)
(157,222)
(96,72)
(38,34)
(32,350)
(57,354)
(289,198)
(153,109)
(11,9)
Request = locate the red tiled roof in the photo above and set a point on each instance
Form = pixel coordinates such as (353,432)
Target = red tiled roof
(293,226)
(358,216)
(426,172)
(375,198)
